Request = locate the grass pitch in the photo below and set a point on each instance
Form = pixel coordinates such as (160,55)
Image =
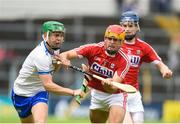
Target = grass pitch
(9,115)
(51,119)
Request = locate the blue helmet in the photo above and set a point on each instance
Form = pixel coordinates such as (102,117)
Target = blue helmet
(130,16)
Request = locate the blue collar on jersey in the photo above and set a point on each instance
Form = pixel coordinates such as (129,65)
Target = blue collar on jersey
(46,49)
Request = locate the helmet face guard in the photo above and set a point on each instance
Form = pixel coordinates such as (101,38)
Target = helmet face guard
(117,32)
(50,27)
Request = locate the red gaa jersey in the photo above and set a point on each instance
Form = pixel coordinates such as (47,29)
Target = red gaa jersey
(103,64)
(138,53)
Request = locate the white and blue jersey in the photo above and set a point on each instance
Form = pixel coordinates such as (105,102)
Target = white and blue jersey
(39,61)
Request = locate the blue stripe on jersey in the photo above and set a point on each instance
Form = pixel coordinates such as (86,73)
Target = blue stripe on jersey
(45,72)
(47,51)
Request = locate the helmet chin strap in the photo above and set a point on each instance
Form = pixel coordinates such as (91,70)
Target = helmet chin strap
(129,37)
(45,39)
(52,47)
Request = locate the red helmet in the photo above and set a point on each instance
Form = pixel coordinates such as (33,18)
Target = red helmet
(115,31)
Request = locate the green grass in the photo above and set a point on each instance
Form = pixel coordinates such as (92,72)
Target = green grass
(13,118)
(9,115)
(51,119)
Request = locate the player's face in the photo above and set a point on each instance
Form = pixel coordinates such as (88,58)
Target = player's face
(56,39)
(112,44)
(130,28)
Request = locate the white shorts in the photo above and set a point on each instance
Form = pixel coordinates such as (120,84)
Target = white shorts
(134,102)
(103,101)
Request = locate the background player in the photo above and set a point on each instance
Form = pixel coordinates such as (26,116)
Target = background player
(138,52)
(106,60)
(30,91)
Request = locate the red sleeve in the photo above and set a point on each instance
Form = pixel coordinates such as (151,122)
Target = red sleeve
(85,50)
(150,54)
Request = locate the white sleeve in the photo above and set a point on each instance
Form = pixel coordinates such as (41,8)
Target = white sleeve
(43,64)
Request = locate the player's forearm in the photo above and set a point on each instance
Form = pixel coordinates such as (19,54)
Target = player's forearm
(165,71)
(54,88)
(161,66)
(68,55)
(65,57)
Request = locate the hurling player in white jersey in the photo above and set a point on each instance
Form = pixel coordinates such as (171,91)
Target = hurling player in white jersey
(138,52)
(106,60)
(35,81)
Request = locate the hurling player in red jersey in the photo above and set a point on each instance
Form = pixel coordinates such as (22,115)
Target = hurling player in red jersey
(138,52)
(106,60)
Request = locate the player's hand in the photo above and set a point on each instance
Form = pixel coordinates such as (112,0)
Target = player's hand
(86,69)
(108,87)
(167,73)
(56,65)
(78,92)
(107,81)
(62,61)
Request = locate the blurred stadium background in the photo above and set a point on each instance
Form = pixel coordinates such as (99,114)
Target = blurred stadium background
(85,21)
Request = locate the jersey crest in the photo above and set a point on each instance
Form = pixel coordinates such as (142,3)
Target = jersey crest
(138,52)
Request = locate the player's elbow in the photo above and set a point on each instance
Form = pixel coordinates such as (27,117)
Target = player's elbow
(47,85)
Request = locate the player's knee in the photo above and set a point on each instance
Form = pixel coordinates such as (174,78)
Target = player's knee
(40,121)
(115,120)
(138,117)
